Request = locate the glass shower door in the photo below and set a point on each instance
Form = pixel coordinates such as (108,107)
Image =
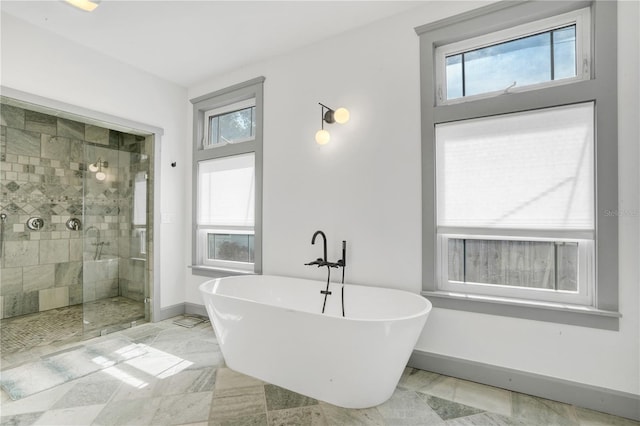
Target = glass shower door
(115,277)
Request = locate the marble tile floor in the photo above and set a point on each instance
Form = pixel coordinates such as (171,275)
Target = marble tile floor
(183,381)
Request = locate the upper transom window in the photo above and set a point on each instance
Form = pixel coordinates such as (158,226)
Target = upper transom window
(541,53)
(230,124)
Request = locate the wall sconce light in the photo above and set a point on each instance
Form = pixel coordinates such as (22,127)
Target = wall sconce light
(340,116)
(97,169)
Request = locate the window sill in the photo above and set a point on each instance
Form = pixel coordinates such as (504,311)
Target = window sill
(583,316)
(210,271)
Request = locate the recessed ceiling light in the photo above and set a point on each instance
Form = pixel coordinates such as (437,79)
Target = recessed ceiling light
(86,5)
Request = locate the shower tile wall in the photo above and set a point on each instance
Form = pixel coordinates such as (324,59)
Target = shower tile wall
(43,163)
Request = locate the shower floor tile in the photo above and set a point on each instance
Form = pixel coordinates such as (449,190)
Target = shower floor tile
(68,324)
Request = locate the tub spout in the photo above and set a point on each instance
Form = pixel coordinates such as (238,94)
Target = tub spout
(324,242)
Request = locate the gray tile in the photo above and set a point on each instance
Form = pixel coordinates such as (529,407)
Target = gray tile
(20,304)
(21,253)
(40,402)
(448,409)
(97,134)
(228,382)
(25,419)
(542,411)
(428,382)
(41,123)
(11,116)
(75,294)
(187,381)
(52,298)
(338,416)
(204,359)
(405,407)
(595,418)
(249,402)
(147,332)
(75,249)
(70,129)
(303,416)
(54,251)
(11,281)
(83,394)
(106,288)
(205,380)
(488,419)
(74,416)
(134,412)
(241,420)
(76,152)
(23,142)
(280,398)
(55,148)
(484,397)
(188,408)
(38,277)
(68,273)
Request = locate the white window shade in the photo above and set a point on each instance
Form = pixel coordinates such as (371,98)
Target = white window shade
(531,170)
(227,191)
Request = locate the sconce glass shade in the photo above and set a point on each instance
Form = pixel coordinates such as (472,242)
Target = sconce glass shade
(322,137)
(341,115)
(101,176)
(93,167)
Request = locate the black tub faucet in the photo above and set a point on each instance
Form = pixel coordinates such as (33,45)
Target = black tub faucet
(319,261)
(322,261)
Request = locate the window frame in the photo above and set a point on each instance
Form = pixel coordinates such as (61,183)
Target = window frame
(601,88)
(220,111)
(578,17)
(219,102)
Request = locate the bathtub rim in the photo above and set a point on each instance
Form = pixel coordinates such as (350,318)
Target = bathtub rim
(425,311)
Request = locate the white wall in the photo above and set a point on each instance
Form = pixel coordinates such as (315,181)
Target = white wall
(364,187)
(44,64)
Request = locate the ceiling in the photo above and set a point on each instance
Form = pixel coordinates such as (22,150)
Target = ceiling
(187,41)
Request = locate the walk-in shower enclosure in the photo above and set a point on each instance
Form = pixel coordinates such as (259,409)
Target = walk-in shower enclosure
(90,186)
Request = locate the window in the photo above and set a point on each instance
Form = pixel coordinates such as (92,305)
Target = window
(230,124)
(527,176)
(517,177)
(551,51)
(226,212)
(227,180)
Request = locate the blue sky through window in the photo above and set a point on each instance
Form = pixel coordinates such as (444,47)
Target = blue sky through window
(529,60)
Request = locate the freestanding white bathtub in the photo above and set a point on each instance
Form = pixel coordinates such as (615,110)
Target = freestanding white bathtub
(272,328)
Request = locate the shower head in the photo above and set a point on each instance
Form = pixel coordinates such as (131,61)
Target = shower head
(94,167)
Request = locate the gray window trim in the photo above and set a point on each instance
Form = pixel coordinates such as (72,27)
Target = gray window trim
(249,89)
(601,88)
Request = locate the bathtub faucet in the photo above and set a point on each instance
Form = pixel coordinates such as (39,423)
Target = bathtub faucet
(324,244)
(322,261)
